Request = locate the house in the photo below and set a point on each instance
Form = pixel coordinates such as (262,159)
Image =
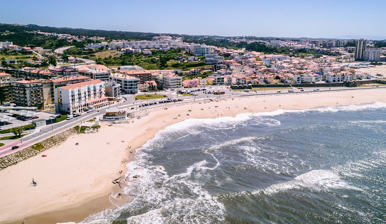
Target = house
(114,114)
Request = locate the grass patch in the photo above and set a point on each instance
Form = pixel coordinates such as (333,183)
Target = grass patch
(11,137)
(95,126)
(19,57)
(106,54)
(1,144)
(372,85)
(149,96)
(81,129)
(187,94)
(25,127)
(92,120)
(38,146)
(61,118)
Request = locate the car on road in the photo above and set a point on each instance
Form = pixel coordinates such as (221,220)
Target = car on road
(14,147)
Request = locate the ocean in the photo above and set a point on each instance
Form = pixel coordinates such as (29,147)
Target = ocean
(325,165)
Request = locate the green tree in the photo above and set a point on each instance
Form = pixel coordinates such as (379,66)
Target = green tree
(18,131)
(52,60)
(163,60)
(4,63)
(65,58)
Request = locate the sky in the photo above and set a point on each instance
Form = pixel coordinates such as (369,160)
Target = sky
(263,18)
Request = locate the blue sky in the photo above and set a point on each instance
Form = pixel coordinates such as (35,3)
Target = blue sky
(282,18)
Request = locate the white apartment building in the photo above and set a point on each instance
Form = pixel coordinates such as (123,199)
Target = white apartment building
(80,97)
(100,72)
(5,44)
(372,54)
(339,77)
(129,84)
(212,59)
(172,81)
(200,50)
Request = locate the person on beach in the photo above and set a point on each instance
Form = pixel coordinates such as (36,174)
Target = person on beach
(34,182)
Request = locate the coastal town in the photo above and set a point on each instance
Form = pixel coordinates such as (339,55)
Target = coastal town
(106,95)
(41,86)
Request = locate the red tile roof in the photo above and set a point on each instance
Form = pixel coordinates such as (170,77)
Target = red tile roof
(69,78)
(4,74)
(29,81)
(80,84)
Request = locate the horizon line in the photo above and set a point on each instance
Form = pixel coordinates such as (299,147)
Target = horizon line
(343,37)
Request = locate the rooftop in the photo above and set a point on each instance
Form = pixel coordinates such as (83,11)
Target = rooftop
(136,72)
(93,68)
(29,81)
(123,76)
(69,78)
(81,84)
(4,74)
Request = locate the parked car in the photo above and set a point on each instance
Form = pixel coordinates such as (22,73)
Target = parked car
(14,147)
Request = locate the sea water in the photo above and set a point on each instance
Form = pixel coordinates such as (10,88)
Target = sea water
(326,165)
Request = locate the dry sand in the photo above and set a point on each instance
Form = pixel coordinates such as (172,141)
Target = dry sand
(379,69)
(76,180)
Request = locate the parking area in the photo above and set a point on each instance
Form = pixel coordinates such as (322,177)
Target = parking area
(16,118)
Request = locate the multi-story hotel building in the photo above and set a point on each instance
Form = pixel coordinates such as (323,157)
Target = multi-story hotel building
(80,97)
(28,93)
(142,75)
(100,72)
(50,86)
(172,81)
(129,84)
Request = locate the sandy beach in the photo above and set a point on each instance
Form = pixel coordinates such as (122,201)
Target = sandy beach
(75,181)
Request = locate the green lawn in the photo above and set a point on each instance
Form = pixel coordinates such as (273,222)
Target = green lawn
(187,94)
(149,96)
(372,85)
(38,146)
(21,57)
(1,144)
(25,127)
(11,137)
(61,118)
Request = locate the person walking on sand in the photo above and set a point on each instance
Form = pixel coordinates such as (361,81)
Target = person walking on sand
(34,182)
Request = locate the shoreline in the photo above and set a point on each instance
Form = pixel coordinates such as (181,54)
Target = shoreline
(94,182)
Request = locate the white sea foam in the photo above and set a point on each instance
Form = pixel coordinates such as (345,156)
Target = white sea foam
(233,142)
(179,199)
(314,179)
(369,122)
(262,118)
(189,123)
(160,198)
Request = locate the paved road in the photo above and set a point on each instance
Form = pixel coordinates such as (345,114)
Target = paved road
(62,49)
(134,106)
(86,61)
